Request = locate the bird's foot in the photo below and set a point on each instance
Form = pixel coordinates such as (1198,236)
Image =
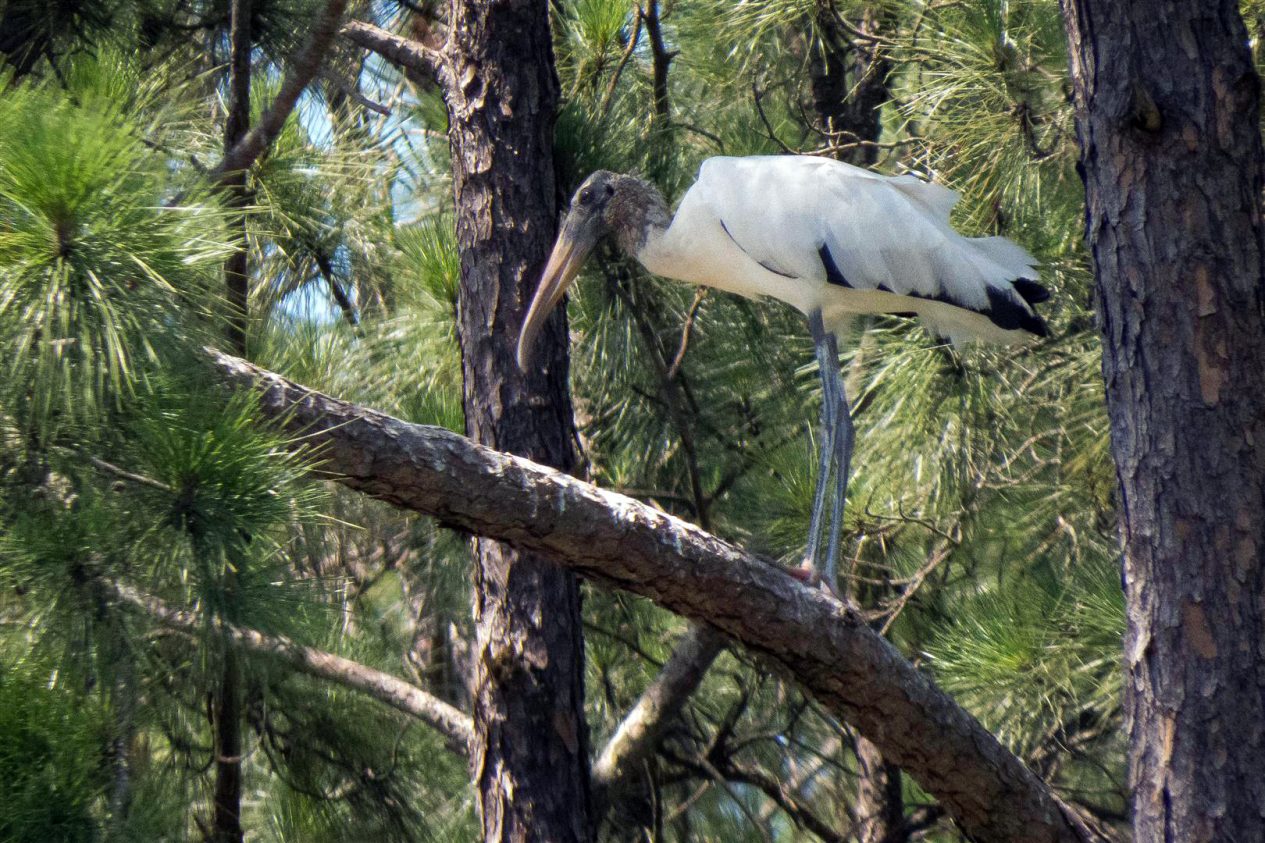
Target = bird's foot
(805,573)
(809,575)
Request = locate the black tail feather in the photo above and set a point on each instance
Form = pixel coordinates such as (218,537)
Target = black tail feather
(1031,291)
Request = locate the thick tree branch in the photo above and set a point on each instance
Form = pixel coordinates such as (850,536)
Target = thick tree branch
(303,69)
(383,687)
(615,540)
(420,63)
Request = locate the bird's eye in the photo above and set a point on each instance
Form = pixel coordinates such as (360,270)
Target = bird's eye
(586,196)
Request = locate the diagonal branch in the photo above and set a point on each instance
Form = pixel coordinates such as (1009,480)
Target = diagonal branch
(303,69)
(619,542)
(639,732)
(420,63)
(383,687)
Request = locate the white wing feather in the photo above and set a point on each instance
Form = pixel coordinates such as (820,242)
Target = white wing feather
(793,214)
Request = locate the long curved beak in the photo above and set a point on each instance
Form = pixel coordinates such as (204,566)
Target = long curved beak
(573,245)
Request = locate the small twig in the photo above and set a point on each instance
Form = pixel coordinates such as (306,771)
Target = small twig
(608,96)
(701,132)
(937,557)
(626,641)
(859,34)
(866,144)
(350,91)
(710,769)
(759,107)
(675,369)
(680,810)
(131,477)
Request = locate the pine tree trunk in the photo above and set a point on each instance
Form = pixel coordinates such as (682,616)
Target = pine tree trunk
(226,723)
(880,805)
(849,78)
(236,124)
(226,825)
(1168,104)
(530,754)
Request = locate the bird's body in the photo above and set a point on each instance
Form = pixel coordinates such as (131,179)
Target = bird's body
(831,240)
(819,234)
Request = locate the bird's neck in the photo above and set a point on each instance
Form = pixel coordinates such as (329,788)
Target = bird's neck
(638,215)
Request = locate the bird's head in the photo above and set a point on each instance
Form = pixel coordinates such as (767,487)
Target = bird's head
(606,203)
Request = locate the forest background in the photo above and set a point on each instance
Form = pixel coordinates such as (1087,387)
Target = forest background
(199,641)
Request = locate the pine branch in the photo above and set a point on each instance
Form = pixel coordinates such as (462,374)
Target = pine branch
(639,732)
(385,688)
(303,69)
(420,63)
(776,790)
(616,541)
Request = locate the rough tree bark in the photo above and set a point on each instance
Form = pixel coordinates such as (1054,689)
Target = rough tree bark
(530,753)
(1168,118)
(618,541)
(880,805)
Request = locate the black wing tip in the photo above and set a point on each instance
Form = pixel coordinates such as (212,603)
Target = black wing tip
(1010,314)
(1031,291)
(1036,325)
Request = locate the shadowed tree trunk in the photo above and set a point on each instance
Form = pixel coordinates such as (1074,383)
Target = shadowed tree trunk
(236,124)
(530,753)
(226,823)
(1168,118)
(849,76)
(880,806)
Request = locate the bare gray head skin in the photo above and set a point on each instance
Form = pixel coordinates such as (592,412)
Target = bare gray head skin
(607,203)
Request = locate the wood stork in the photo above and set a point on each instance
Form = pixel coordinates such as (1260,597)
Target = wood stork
(830,239)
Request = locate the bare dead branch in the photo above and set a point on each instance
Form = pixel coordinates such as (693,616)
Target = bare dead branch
(348,89)
(388,689)
(678,359)
(639,732)
(633,38)
(779,794)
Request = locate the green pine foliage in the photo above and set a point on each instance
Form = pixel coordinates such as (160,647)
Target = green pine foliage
(980,533)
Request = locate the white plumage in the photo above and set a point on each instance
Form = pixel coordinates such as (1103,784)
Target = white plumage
(798,228)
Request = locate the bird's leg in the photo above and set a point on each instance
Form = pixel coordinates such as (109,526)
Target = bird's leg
(836,448)
(825,449)
(837,437)
(842,436)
